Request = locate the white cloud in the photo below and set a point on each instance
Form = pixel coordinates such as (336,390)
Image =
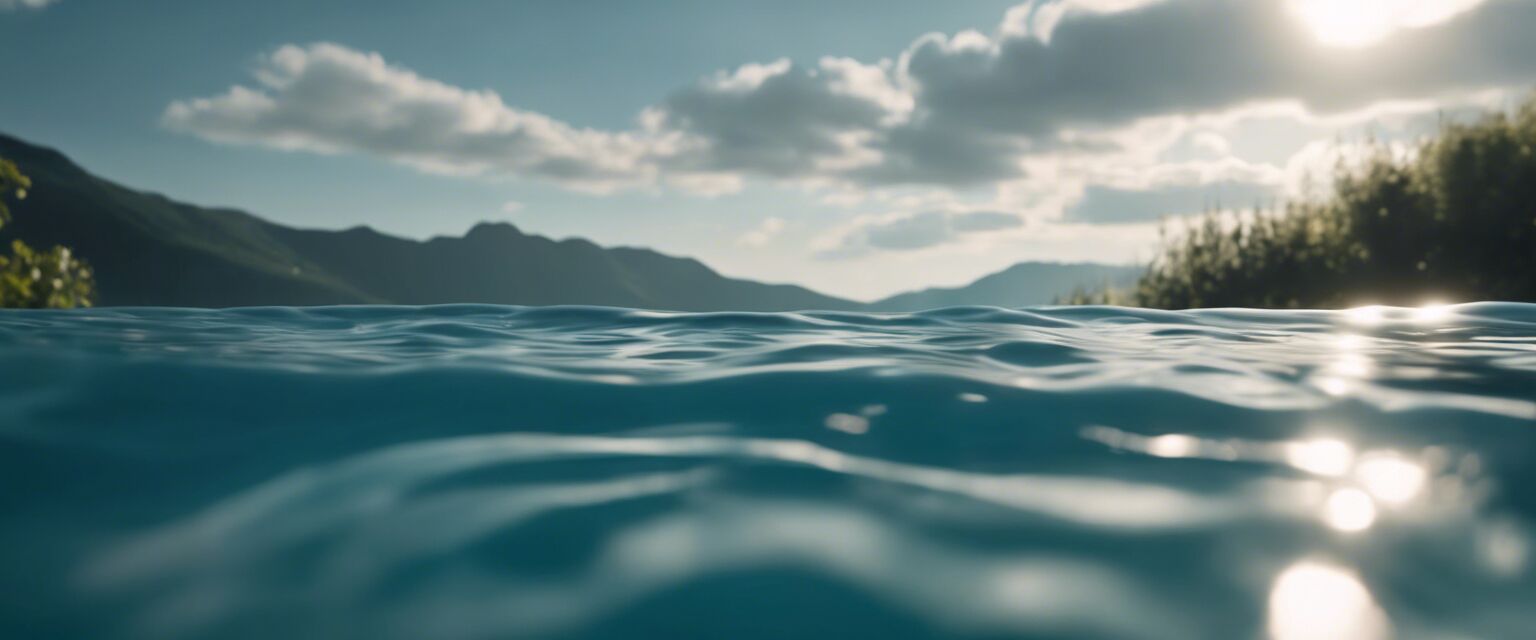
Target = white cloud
(512,206)
(1061,78)
(706,183)
(1195,56)
(1212,143)
(1066,100)
(1039,19)
(11,5)
(326,98)
(763,233)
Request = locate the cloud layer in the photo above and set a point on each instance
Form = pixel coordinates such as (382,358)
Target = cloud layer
(326,98)
(1061,91)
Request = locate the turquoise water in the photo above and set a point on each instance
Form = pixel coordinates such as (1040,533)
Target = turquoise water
(469,472)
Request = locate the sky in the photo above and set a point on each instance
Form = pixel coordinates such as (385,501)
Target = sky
(859,147)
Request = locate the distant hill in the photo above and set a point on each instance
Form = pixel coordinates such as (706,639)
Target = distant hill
(150,250)
(1026,284)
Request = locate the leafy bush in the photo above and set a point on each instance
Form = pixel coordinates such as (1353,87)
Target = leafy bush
(32,279)
(1456,220)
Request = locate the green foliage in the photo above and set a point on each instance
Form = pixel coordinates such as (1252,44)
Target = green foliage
(12,183)
(31,279)
(1455,220)
(51,279)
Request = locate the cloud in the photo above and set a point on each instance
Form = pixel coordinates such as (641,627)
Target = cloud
(1211,143)
(1358,24)
(779,120)
(11,5)
(1068,83)
(326,98)
(915,232)
(1103,204)
(763,233)
(979,221)
(512,206)
(924,155)
(918,231)
(1183,56)
(1058,76)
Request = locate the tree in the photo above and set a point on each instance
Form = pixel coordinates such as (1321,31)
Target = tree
(32,279)
(1454,221)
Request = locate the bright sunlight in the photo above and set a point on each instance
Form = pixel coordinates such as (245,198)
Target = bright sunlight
(1362,23)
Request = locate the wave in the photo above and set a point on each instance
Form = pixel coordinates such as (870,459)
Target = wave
(475,471)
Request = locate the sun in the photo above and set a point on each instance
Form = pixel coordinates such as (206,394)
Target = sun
(1348,23)
(1361,23)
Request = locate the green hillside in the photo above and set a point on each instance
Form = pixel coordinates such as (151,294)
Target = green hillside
(149,250)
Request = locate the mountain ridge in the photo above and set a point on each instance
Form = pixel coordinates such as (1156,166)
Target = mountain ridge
(148,249)
(1022,284)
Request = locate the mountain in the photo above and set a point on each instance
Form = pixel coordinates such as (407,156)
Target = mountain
(1026,284)
(149,250)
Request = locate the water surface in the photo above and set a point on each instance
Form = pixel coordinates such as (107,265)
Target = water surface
(469,472)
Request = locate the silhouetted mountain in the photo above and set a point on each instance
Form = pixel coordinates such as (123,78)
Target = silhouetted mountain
(1026,284)
(150,250)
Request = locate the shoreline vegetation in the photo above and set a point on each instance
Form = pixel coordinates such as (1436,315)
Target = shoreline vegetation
(30,279)
(1452,220)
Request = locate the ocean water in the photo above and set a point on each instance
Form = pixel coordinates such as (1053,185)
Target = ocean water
(478,472)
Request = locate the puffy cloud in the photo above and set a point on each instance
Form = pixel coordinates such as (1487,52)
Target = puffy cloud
(924,155)
(917,231)
(1060,74)
(11,5)
(763,233)
(780,120)
(1059,91)
(329,99)
(1181,56)
(977,106)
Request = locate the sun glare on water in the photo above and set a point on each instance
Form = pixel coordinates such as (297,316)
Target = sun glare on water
(1361,23)
(1315,601)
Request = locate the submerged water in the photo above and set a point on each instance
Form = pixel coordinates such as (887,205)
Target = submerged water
(471,472)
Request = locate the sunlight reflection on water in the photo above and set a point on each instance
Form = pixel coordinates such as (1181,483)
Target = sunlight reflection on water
(465,473)
(1349,510)
(1314,601)
(1390,478)
(1322,456)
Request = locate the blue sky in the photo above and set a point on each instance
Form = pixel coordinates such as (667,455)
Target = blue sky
(858,147)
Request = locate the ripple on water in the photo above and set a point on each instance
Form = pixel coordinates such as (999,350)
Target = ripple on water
(473,471)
